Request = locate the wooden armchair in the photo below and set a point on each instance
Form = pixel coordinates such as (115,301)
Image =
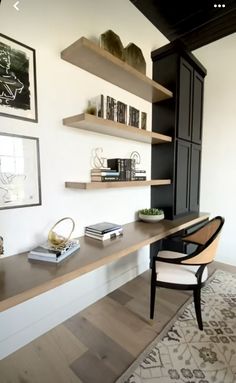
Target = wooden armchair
(187,272)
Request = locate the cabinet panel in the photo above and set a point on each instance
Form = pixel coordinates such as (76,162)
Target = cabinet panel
(197,107)
(185,100)
(183,155)
(195,170)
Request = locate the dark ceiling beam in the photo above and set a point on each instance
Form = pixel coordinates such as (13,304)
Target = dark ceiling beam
(194,23)
(210,32)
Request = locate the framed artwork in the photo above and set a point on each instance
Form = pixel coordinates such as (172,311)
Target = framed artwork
(143,120)
(18,95)
(133,117)
(20,184)
(121,112)
(111,108)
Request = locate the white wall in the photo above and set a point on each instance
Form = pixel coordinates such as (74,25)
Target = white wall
(64,90)
(218,180)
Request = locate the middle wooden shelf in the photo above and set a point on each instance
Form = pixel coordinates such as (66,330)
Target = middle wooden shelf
(115,184)
(100,125)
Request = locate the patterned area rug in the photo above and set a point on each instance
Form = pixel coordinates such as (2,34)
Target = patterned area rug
(184,354)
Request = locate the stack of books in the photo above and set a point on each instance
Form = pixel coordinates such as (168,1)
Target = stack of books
(48,253)
(139,175)
(126,169)
(104,175)
(124,166)
(103,231)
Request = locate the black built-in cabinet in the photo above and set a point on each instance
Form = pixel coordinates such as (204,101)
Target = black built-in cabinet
(180,117)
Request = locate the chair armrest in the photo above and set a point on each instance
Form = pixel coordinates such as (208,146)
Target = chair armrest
(175,261)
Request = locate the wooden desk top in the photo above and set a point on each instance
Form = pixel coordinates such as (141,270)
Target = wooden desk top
(21,279)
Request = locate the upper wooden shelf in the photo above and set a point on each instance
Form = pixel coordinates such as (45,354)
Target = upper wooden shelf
(89,56)
(92,123)
(114,184)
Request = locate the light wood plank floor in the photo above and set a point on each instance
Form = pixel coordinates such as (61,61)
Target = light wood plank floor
(99,343)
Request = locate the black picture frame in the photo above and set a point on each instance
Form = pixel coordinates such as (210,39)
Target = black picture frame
(121,112)
(20,181)
(133,117)
(18,86)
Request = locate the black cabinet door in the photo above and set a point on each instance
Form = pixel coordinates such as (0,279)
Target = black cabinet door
(183,157)
(185,100)
(197,108)
(195,173)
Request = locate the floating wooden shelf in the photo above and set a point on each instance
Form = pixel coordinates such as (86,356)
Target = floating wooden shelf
(114,184)
(95,124)
(89,56)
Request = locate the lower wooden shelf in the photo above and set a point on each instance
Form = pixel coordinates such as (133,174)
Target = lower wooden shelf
(113,185)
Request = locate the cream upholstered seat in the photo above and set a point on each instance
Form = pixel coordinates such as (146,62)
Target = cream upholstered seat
(179,274)
(187,272)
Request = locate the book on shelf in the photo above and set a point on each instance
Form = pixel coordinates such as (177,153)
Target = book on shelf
(104,178)
(40,253)
(100,170)
(103,237)
(124,166)
(142,178)
(104,173)
(103,227)
(139,171)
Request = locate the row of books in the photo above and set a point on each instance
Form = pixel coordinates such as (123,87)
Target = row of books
(107,107)
(119,169)
(103,231)
(47,253)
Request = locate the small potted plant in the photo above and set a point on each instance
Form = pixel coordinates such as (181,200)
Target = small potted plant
(151,215)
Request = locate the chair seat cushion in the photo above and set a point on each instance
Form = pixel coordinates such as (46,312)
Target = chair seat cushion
(177,274)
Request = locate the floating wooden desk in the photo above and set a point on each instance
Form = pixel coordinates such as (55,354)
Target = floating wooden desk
(21,280)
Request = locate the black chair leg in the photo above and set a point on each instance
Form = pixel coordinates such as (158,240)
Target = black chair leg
(152,294)
(197,304)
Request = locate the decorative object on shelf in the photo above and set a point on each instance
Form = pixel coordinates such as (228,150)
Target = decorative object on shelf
(121,112)
(111,108)
(136,157)
(96,106)
(111,42)
(134,57)
(1,246)
(133,117)
(18,98)
(137,174)
(20,184)
(151,215)
(59,241)
(143,120)
(97,160)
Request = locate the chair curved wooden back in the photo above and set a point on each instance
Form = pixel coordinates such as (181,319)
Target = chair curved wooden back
(207,239)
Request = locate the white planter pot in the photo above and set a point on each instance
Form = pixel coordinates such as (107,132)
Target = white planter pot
(151,218)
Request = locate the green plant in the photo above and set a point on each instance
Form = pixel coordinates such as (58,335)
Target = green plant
(151,211)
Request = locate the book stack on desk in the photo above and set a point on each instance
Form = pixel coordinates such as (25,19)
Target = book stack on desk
(103,231)
(49,254)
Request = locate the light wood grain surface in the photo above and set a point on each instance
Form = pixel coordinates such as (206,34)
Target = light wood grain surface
(98,344)
(114,185)
(96,124)
(89,56)
(21,279)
